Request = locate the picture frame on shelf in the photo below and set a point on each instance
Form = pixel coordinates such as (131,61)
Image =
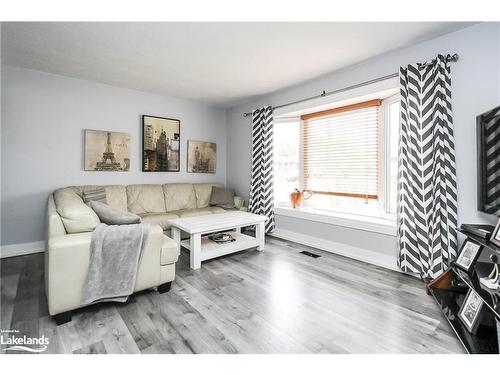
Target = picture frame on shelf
(470,312)
(495,236)
(468,254)
(161,143)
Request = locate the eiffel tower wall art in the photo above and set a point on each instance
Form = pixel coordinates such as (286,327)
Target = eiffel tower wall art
(107,151)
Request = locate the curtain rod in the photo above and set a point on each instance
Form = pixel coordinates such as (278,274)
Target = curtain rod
(452,58)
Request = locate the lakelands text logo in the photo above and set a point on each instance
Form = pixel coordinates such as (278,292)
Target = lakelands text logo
(11,340)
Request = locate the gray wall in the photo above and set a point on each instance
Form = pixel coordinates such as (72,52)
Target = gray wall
(43,117)
(475,89)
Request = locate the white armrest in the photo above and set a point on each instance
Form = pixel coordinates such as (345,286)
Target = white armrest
(55,225)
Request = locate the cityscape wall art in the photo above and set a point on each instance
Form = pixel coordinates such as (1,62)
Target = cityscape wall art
(202,157)
(160,144)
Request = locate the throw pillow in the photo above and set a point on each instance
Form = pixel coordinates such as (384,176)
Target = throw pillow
(112,216)
(222,197)
(98,195)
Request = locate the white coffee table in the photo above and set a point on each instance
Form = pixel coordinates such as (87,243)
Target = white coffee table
(202,248)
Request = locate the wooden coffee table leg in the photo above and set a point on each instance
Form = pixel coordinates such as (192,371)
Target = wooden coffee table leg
(260,235)
(195,256)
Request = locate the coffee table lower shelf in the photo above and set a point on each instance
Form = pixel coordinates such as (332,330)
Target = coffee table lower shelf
(211,249)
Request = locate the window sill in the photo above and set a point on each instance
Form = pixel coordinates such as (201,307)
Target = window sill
(366,223)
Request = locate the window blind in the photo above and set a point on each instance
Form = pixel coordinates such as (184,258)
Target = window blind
(340,150)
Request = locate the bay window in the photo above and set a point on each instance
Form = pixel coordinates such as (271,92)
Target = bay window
(345,156)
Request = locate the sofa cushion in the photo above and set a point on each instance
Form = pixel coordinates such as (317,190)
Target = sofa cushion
(116,195)
(112,216)
(203,192)
(193,212)
(97,195)
(159,219)
(143,199)
(76,216)
(216,210)
(179,197)
(222,197)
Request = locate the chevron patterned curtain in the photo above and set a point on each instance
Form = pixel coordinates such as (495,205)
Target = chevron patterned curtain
(427,212)
(261,186)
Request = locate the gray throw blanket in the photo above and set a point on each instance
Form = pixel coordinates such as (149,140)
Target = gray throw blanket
(115,253)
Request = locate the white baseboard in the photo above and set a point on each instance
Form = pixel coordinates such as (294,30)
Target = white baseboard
(367,256)
(17,249)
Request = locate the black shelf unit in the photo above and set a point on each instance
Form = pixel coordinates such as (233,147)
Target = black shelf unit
(449,297)
(484,341)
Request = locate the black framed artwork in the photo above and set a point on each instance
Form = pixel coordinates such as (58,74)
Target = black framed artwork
(468,254)
(161,143)
(470,312)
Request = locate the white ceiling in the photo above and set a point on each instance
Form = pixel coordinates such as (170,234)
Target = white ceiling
(220,63)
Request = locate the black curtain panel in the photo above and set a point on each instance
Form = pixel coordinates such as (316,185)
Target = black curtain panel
(262,182)
(427,211)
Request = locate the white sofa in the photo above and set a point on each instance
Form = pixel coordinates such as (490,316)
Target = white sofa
(70,223)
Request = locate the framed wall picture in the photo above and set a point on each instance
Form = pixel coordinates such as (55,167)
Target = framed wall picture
(468,255)
(106,151)
(202,157)
(470,312)
(495,236)
(161,143)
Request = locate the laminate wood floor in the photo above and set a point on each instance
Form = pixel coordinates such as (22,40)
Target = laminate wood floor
(275,301)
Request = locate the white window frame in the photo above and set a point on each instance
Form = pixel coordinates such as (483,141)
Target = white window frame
(283,120)
(384,161)
(384,222)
